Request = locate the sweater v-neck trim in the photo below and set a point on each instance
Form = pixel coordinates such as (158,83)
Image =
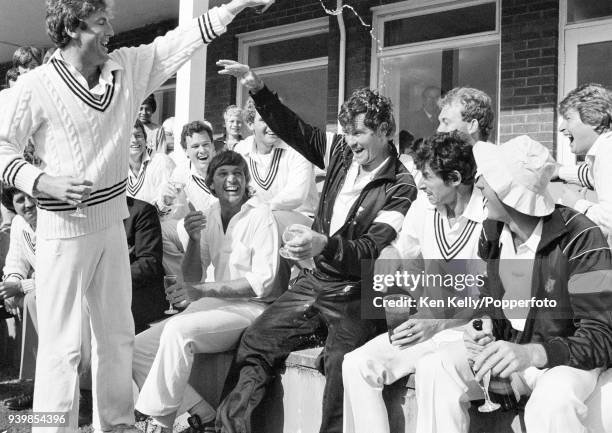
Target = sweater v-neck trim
(99,103)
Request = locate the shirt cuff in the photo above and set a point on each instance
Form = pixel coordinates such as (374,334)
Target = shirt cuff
(28,285)
(22,175)
(583,205)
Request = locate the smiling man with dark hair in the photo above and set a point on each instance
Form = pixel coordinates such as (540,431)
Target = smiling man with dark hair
(366,195)
(239,237)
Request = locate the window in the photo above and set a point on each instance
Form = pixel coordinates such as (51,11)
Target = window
(441,51)
(165,97)
(581,10)
(292,60)
(585,46)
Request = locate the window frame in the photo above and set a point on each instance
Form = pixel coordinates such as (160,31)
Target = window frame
(170,84)
(277,34)
(382,14)
(563,153)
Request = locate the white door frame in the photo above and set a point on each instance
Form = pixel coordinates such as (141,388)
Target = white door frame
(570,37)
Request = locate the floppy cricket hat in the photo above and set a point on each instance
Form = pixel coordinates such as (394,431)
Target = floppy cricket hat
(518,171)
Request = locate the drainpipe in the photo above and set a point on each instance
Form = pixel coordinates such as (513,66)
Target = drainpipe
(342,63)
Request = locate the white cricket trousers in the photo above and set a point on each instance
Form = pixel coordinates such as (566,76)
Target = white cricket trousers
(445,385)
(366,370)
(163,354)
(95,267)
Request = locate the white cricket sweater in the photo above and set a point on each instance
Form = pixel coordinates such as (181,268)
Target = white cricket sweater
(283,178)
(77,133)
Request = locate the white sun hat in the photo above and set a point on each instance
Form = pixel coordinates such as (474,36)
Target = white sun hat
(518,171)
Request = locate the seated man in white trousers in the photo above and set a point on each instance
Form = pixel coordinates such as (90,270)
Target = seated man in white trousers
(552,352)
(443,224)
(239,237)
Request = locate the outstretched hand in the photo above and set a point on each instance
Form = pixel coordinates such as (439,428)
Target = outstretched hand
(236,6)
(242,73)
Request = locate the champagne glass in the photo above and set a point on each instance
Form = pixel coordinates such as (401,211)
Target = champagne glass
(291,233)
(78,212)
(488,405)
(181,199)
(170,280)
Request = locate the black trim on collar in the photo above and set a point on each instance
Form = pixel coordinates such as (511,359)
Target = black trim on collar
(135,183)
(29,241)
(266,183)
(97,103)
(200,182)
(450,250)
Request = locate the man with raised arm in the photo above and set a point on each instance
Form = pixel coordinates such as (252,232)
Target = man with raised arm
(366,195)
(79,110)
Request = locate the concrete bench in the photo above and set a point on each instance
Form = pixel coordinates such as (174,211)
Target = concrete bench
(293,401)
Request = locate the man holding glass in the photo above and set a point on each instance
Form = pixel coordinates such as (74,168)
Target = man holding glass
(238,236)
(366,195)
(443,227)
(552,352)
(79,110)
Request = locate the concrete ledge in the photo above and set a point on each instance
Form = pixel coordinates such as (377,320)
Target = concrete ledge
(293,400)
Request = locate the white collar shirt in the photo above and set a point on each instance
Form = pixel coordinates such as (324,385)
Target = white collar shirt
(351,189)
(106,74)
(516,271)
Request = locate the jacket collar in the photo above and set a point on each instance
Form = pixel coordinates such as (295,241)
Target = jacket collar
(553,227)
(386,172)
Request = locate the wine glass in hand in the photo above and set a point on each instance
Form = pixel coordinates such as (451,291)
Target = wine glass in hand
(180,199)
(169,281)
(291,234)
(488,405)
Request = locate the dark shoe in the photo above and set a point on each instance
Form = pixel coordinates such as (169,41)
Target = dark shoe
(139,416)
(85,407)
(20,402)
(195,422)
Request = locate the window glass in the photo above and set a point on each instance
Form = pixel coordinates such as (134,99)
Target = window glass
(411,80)
(591,69)
(581,10)
(165,99)
(291,50)
(304,91)
(440,25)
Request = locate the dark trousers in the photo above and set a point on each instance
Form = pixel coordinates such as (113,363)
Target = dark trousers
(283,327)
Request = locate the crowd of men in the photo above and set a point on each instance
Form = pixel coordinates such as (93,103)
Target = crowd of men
(232,234)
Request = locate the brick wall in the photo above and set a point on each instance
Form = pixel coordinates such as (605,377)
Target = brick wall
(142,35)
(529,69)
(221,90)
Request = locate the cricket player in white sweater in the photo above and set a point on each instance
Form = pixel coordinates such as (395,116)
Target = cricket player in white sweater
(79,110)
